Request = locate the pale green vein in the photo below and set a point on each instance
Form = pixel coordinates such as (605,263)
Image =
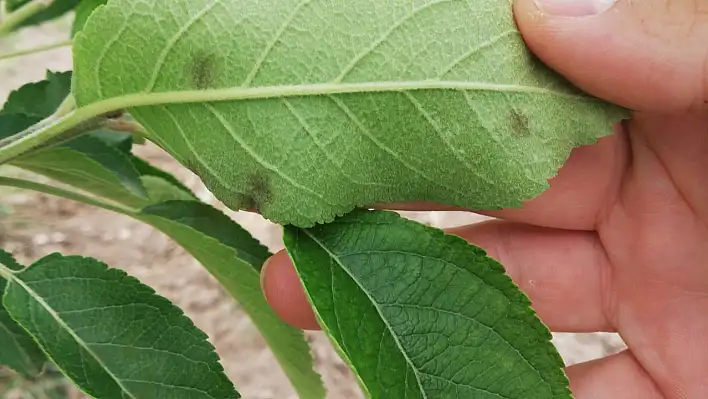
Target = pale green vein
(160,62)
(475,50)
(365,131)
(250,151)
(334,259)
(278,34)
(376,43)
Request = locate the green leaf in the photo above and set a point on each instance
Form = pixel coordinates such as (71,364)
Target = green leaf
(146,169)
(234,258)
(161,190)
(91,165)
(83,12)
(39,99)
(19,351)
(306,109)
(56,9)
(113,336)
(421,314)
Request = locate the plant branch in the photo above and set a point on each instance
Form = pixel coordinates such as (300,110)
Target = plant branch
(15,18)
(60,192)
(33,50)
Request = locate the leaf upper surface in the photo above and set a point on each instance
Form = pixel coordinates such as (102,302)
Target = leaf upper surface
(421,314)
(235,258)
(19,351)
(315,107)
(113,336)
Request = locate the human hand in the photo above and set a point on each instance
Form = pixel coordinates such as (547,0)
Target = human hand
(620,240)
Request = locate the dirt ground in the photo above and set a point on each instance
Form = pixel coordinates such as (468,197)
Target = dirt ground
(33,225)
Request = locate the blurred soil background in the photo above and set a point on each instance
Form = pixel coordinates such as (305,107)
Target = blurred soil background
(33,225)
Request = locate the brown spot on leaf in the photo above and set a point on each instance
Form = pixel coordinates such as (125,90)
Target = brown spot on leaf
(258,191)
(519,124)
(203,69)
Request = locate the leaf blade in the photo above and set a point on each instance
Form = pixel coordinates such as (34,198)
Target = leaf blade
(434,316)
(19,351)
(91,339)
(478,104)
(234,258)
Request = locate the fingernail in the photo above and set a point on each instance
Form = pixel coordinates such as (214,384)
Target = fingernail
(263,273)
(574,8)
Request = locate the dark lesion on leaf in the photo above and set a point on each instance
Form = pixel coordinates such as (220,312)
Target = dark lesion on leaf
(203,69)
(257,191)
(519,123)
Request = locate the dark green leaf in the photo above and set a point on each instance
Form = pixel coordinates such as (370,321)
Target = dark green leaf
(421,314)
(91,165)
(55,10)
(39,99)
(234,258)
(17,349)
(83,12)
(113,336)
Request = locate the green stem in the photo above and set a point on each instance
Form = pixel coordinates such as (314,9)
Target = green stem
(15,18)
(33,50)
(66,106)
(60,192)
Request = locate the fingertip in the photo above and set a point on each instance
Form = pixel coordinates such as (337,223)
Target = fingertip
(284,293)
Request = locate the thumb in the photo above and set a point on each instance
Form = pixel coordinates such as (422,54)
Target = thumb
(646,55)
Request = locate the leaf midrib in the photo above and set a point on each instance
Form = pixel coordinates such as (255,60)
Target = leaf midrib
(378,310)
(14,279)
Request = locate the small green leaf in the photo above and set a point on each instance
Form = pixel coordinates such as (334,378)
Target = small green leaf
(83,12)
(234,258)
(19,351)
(91,165)
(113,336)
(146,169)
(161,190)
(306,109)
(421,314)
(39,99)
(56,9)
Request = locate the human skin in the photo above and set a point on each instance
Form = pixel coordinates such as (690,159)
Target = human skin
(620,241)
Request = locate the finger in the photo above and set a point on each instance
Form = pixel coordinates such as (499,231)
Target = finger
(615,376)
(284,293)
(646,55)
(563,272)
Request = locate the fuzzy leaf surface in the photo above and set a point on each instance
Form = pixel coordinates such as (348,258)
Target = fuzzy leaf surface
(113,336)
(235,258)
(19,351)
(305,109)
(421,314)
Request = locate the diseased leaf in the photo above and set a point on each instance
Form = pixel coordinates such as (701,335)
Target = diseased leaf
(19,352)
(83,12)
(421,314)
(433,100)
(234,258)
(113,336)
(56,9)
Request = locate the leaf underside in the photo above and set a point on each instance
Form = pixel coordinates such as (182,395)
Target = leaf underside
(114,337)
(420,314)
(342,103)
